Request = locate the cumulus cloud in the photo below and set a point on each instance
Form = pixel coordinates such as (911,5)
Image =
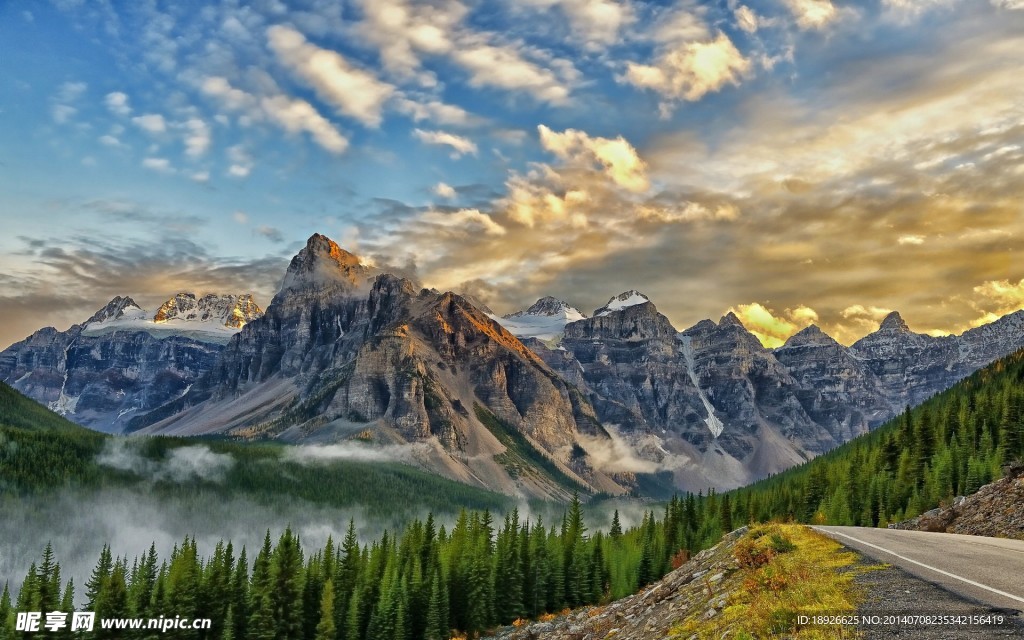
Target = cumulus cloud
(691,70)
(617,157)
(241,162)
(298,115)
(433,110)
(597,23)
(746,19)
(117,102)
(443,190)
(503,66)
(996,298)
(270,233)
(151,122)
(469,219)
(812,14)
(197,137)
(773,328)
(353,91)
(291,114)
(460,145)
(160,165)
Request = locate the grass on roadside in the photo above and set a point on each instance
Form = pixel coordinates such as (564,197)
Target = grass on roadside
(784,571)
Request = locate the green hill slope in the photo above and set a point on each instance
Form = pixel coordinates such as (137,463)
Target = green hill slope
(950,445)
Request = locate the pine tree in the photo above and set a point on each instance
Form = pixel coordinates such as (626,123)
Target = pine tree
(726,514)
(6,615)
(261,613)
(325,629)
(286,577)
(97,581)
(616,531)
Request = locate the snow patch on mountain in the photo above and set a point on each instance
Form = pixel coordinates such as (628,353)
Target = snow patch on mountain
(544,320)
(715,426)
(211,318)
(622,301)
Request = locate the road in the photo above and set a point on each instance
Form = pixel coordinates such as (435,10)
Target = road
(986,570)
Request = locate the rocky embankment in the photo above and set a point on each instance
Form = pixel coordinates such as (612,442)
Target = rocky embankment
(995,510)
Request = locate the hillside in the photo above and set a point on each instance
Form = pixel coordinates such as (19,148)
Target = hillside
(951,445)
(41,453)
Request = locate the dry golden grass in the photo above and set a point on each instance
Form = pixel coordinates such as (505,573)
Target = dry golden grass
(785,571)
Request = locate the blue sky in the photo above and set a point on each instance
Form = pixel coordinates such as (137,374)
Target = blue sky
(796,161)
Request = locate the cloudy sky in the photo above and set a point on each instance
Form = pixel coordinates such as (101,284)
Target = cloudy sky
(796,161)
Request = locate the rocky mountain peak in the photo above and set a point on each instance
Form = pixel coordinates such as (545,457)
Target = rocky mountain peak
(549,307)
(730,320)
(894,323)
(809,335)
(233,311)
(622,301)
(114,309)
(322,262)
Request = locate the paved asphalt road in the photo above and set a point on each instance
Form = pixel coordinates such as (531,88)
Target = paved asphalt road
(986,570)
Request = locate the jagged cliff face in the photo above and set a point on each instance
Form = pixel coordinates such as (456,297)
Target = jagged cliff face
(124,361)
(723,410)
(342,352)
(535,402)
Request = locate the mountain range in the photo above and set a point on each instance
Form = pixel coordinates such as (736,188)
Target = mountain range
(539,402)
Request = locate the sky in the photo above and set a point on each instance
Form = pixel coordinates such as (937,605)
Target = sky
(794,161)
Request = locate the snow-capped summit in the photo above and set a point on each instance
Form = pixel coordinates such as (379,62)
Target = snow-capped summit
(544,320)
(548,306)
(211,318)
(118,308)
(626,299)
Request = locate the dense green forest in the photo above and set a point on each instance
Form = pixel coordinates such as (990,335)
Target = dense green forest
(41,452)
(425,583)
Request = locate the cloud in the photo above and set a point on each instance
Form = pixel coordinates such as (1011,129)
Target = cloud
(160,165)
(61,281)
(910,239)
(110,141)
(324,454)
(197,139)
(812,14)
(459,144)
(298,115)
(617,157)
(240,217)
(434,111)
(443,190)
(241,162)
(117,102)
(291,114)
(746,19)
(597,23)
(469,219)
(353,91)
(773,328)
(182,464)
(151,122)
(691,70)
(504,67)
(270,233)
(63,113)
(996,298)
(71,91)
